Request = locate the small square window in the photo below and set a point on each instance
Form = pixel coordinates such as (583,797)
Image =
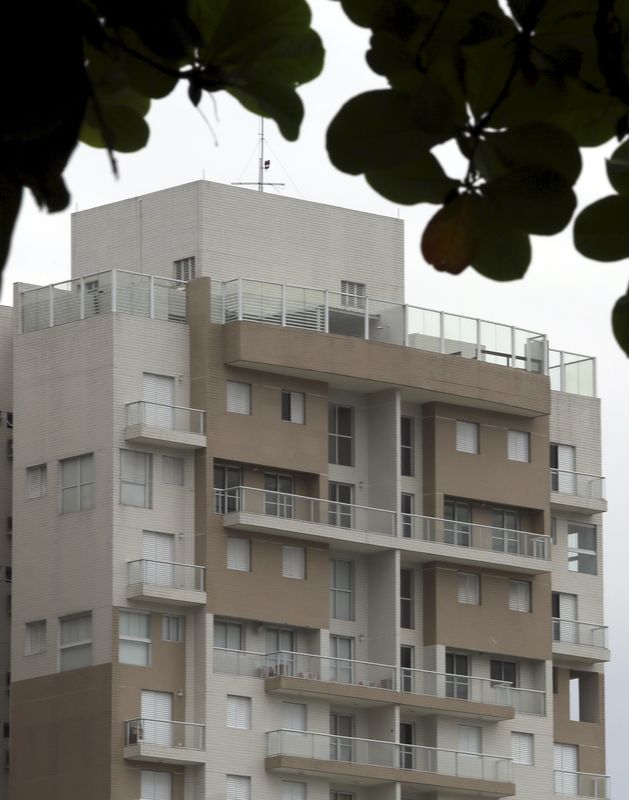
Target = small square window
(522,749)
(77,483)
(353,294)
(518,446)
(238,712)
(293,407)
(134,638)
(467,437)
(293,790)
(136,479)
(238,787)
(520,596)
(238,554)
(172,628)
(173,470)
(35,639)
(468,588)
(238,397)
(185,269)
(75,641)
(36,481)
(294,562)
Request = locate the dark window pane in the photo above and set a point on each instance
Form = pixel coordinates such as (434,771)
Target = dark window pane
(344,420)
(406,431)
(406,461)
(331,449)
(331,419)
(344,452)
(286,406)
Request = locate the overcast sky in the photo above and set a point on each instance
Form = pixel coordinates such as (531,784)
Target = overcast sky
(563,295)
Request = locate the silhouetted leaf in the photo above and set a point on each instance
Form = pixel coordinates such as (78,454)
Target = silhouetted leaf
(620,322)
(420,181)
(618,169)
(601,231)
(10,199)
(449,241)
(504,253)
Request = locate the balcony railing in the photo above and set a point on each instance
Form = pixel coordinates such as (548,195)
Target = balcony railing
(102,293)
(378,520)
(384,321)
(371,752)
(582,784)
(160,415)
(571,631)
(382,676)
(165,733)
(167,574)
(577,484)
(572,373)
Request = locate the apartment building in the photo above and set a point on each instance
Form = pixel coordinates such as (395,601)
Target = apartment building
(278,534)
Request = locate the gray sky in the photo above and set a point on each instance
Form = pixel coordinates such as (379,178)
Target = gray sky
(563,295)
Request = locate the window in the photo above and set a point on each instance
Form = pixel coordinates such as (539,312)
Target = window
(8,574)
(341,583)
(238,397)
(562,468)
(75,641)
(406,446)
(341,435)
(457,529)
(470,739)
(407,663)
(522,748)
(293,407)
(173,470)
(518,446)
(457,676)
(35,638)
(172,628)
(520,596)
(158,408)
(278,495)
(468,588)
(135,638)
(280,649)
(341,796)
(293,716)
(77,483)
(136,479)
(407,596)
(505,537)
(238,712)
(185,269)
(228,635)
(36,481)
(341,653)
(238,787)
(582,548)
(9,419)
(503,671)
(155,785)
(227,481)
(238,554)
(294,562)
(341,741)
(353,294)
(553,530)
(467,437)
(292,790)
(407,505)
(340,506)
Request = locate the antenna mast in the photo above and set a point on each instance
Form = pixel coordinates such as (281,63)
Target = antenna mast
(262,164)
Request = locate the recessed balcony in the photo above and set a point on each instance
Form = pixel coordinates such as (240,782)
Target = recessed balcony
(165,425)
(367,683)
(166,581)
(164,741)
(371,762)
(582,784)
(580,641)
(577,491)
(367,528)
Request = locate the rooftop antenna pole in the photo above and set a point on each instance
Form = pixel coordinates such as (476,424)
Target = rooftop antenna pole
(263,164)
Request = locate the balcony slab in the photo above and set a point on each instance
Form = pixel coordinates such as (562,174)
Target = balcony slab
(153,435)
(151,593)
(161,754)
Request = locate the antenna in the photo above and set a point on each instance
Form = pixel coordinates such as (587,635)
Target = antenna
(263,165)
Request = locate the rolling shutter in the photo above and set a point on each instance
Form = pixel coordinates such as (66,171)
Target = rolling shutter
(519,596)
(522,747)
(518,446)
(238,397)
(466,437)
(238,787)
(294,562)
(238,554)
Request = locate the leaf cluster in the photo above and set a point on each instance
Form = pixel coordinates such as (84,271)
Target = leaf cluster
(520,92)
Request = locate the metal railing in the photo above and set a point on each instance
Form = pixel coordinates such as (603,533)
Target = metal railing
(383,521)
(382,676)
(115,290)
(168,574)
(327,311)
(579,484)
(161,415)
(305,509)
(582,784)
(165,733)
(372,752)
(571,631)
(572,373)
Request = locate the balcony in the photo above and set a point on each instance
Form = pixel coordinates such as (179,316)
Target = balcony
(582,784)
(166,581)
(577,491)
(165,425)
(375,762)
(572,373)
(580,641)
(164,741)
(365,528)
(367,683)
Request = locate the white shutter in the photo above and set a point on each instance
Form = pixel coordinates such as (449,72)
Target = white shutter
(466,437)
(518,446)
(35,637)
(294,716)
(238,554)
(297,407)
(294,562)
(469,739)
(238,397)
(238,712)
(292,790)
(522,748)
(159,389)
(159,548)
(566,464)
(173,470)
(238,787)
(520,596)
(565,764)
(468,588)
(36,481)
(157,712)
(155,785)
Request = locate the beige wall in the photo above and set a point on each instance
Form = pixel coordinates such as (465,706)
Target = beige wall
(491,626)
(589,736)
